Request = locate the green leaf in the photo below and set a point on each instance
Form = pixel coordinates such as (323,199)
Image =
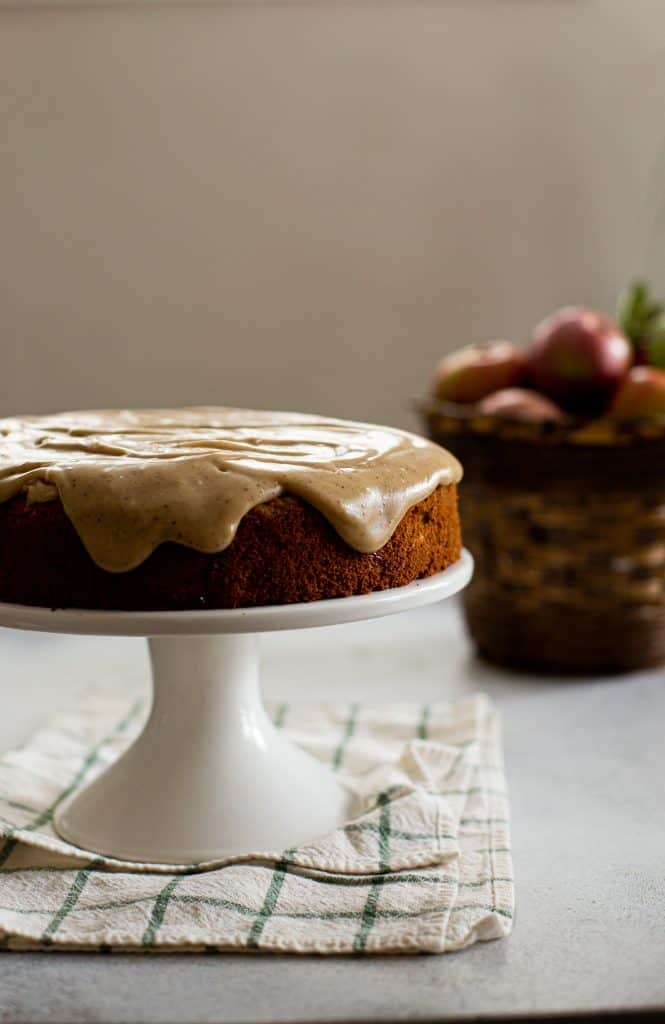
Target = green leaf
(656,346)
(639,315)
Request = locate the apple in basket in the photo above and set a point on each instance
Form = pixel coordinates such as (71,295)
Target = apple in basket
(520,404)
(578,357)
(642,394)
(471,373)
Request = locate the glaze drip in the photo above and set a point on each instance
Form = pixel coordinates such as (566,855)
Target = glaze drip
(129,481)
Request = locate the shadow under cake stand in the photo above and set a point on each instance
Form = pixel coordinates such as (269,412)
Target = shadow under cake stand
(210,775)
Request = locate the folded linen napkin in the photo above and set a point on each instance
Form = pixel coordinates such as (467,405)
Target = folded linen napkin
(425,868)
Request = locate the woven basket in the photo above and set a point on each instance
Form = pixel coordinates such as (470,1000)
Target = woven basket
(567,527)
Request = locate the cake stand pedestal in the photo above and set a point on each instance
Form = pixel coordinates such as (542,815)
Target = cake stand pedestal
(210,775)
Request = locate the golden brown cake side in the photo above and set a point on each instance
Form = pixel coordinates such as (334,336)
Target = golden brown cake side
(284,551)
(131,480)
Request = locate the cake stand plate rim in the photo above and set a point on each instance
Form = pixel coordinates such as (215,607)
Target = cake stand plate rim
(265,618)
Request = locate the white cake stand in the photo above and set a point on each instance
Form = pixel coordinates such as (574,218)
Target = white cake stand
(210,775)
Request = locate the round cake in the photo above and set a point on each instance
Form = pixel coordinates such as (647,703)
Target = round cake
(217,508)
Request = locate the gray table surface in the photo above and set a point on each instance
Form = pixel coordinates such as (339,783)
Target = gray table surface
(586,770)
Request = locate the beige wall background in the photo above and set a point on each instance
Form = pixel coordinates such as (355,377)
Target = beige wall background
(303,204)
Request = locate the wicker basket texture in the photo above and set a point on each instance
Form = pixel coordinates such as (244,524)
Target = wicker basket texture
(567,527)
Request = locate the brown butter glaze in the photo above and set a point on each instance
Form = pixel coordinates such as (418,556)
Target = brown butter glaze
(129,481)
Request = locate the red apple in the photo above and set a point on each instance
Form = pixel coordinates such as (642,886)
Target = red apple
(578,357)
(642,394)
(470,373)
(520,404)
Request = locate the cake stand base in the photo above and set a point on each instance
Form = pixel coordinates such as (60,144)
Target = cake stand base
(210,776)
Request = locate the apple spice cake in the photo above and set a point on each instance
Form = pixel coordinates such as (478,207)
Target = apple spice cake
(217,508)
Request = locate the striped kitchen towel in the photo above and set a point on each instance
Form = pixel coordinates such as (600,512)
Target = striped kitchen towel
(426,866)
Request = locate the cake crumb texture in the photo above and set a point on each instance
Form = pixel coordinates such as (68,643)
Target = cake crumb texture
(284,552)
